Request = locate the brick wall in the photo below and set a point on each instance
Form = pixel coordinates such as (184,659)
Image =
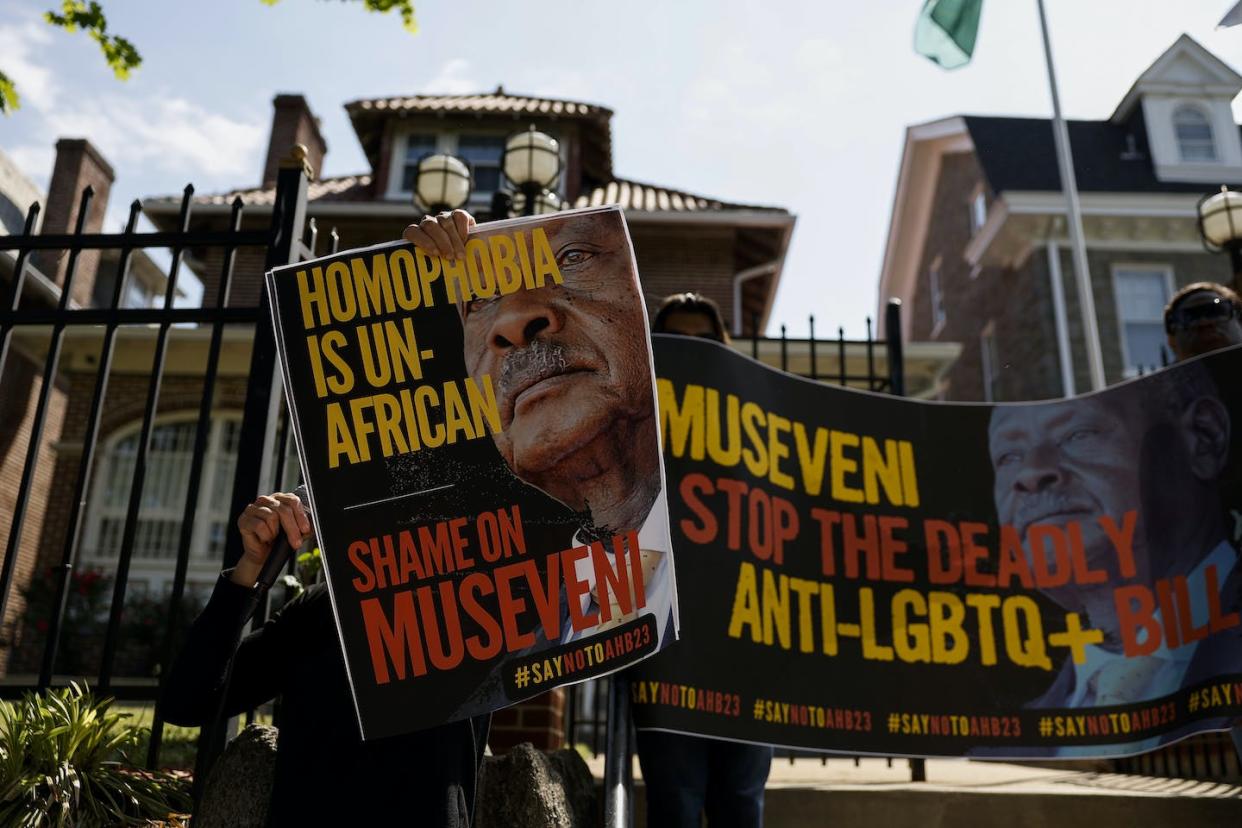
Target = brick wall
(78,164)
(540,721)
(673,260)
(1018,302)
(20,386)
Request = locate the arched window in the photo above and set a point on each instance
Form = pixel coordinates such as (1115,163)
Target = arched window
(163,496)
(1194,134)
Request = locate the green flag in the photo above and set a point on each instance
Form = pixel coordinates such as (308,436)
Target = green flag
(946,31)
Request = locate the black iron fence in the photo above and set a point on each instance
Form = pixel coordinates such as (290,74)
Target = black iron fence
(841,361)
(287,238)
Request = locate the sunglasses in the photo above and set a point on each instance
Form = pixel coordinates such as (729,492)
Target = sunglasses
(1183,318)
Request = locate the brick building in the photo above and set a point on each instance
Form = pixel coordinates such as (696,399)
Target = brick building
(731,252)
(78,164)
(977,245)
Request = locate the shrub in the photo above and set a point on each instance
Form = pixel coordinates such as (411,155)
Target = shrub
(63,762)
(144,623)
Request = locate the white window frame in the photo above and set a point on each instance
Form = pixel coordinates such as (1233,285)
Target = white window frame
(990,361)
(1207,120)
(447,142)
(157,573)
(935,292)
(1167,270)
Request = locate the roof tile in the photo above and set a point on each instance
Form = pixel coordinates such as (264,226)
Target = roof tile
(497,101)
(631,195)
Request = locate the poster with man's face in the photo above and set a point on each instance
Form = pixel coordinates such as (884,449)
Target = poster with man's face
(869,574)
(479,439)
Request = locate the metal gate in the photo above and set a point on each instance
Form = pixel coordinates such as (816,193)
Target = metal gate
(284,241)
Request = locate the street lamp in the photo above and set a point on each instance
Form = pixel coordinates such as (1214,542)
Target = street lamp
(441,182)
(546,202)
(532,164)
(1220,227)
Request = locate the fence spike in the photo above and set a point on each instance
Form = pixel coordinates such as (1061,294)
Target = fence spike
(814,360)
(32,215)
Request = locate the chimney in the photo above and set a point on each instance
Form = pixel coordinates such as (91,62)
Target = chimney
(293,123)
(78,164)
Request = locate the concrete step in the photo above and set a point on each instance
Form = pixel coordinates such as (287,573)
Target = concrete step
(840,794)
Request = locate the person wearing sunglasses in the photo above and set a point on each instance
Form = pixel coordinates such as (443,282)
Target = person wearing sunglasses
(1201,318)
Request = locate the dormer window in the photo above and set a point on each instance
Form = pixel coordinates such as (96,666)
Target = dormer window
(1193,130)
(482,151)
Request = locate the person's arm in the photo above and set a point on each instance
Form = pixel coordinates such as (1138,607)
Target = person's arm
(191,694)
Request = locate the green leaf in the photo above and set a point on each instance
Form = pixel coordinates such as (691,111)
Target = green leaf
(403,7)
(61,756)
(9,100)
(119,53)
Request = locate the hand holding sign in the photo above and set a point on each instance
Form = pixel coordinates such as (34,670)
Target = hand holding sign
(261,524)
(444,235)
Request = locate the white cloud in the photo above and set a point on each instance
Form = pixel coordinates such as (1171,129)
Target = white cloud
(35,162)
(454,78)
(19,43)
(166,133)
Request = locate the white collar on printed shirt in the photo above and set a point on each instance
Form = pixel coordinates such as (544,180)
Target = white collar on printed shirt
(653,535)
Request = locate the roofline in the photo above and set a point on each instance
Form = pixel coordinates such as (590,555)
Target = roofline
(356,105)
(954,134)
(1134,204)
(748,218)
(1184,43)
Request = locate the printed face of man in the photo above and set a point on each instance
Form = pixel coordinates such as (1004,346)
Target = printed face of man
(1060,463)
(571,370)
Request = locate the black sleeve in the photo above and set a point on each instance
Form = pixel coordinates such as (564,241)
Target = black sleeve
(191,694)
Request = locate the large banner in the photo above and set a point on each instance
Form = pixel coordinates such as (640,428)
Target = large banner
(869,574)
(479,441)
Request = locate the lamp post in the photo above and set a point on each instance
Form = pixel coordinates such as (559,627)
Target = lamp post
(532,164)
(1220,227)
(441,182)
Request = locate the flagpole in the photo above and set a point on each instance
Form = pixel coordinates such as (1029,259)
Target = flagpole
(1065,162)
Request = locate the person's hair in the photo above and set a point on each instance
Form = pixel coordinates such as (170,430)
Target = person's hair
(1203,287)
(690,303)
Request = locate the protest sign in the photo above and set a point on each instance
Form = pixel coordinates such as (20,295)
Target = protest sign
(479,442)
(870,574)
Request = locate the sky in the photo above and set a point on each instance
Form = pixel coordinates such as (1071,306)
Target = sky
(802,105)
